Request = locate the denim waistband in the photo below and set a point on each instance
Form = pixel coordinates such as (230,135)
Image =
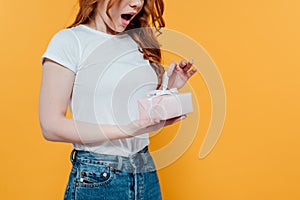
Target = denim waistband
(138,162)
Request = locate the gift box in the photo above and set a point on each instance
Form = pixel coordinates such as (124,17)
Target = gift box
(165,104)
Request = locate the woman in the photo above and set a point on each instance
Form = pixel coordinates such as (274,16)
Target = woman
(110,157)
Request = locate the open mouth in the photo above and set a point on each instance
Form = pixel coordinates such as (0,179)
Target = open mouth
(127,17)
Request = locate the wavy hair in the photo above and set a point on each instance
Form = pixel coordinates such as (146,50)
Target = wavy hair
(150,16)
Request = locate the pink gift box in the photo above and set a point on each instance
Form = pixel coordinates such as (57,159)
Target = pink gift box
(165,106)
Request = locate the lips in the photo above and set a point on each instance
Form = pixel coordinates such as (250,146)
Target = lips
(127,17)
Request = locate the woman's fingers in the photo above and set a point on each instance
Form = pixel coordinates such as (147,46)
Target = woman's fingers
(192,72)
(174,120)
(171,68)
(189,65)
(185,66)
(151,124)
(182,64)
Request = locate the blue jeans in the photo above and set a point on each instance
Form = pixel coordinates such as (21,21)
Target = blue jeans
(110,177)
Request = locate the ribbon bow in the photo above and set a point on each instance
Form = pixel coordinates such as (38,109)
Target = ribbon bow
(164,90)
(156,93)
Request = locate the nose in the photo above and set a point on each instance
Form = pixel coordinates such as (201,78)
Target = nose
(136,3)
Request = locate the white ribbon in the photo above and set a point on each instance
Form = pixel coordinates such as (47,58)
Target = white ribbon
(164,90)
(157,93)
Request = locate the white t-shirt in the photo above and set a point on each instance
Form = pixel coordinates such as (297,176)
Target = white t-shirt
(111,75)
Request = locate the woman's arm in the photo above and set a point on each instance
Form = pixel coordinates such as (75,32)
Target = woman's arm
(55,93)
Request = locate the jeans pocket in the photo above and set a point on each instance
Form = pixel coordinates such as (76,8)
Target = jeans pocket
(94,175)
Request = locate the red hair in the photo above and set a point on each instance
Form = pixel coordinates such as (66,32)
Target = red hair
(149,16)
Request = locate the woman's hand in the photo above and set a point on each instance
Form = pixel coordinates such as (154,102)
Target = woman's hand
(179,73)
(149,125)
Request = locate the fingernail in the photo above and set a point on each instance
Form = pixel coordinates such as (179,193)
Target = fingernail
(191,61)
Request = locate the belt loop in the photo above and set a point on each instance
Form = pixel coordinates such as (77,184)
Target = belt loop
(120,162)
(73,155)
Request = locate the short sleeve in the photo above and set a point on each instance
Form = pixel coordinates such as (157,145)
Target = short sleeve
(64,49)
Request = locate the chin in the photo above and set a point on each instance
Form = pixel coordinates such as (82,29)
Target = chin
(120,29)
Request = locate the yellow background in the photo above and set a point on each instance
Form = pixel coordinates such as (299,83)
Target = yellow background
(255,45)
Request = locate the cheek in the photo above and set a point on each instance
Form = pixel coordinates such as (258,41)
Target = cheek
(115,13)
